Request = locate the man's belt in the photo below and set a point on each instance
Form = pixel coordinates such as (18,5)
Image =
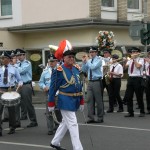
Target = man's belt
(11,87)
(71,94)
(28,82)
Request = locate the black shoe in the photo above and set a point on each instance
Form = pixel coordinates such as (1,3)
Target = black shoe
(32,125)
(148,112)
(115,105)
(91,121)
(110,111)
(124,102)
(120,110)
(18,125)
(24,118)
(137,107)
(11,131)
(5,120)
(99,121)
(142,115)
(0,133)
(129,115)
(57,147)
(50,132)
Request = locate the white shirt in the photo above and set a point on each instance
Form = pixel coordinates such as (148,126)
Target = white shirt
(118,69)
(147,68)
(136,71)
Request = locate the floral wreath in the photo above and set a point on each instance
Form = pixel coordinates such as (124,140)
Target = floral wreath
(105,39)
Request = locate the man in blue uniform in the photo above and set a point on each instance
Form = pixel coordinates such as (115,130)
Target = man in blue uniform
(44,84)
(25,69)
(66,79)
(8,76)
(94,90)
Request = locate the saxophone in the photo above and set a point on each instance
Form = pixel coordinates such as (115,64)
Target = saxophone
(107,76)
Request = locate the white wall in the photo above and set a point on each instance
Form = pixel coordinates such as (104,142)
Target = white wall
(16,18)
(35,11)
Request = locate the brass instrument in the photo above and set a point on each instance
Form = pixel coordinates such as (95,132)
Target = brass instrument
(106,70)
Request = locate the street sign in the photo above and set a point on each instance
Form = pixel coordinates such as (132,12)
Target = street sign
(135,29)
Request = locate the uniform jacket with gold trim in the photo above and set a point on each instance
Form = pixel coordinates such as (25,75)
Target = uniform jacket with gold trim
(66,80)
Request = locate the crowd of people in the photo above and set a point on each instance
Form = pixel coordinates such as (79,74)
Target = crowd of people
(63,88)
(138,81)
(16,75)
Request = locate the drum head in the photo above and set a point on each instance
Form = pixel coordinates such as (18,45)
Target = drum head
(10,98)
(10,95)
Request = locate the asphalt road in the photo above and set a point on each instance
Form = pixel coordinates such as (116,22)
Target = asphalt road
(116,133)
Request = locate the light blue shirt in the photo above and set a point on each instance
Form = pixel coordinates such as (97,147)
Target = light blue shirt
(25,69)
(13,76)
(45,78)
(95,67)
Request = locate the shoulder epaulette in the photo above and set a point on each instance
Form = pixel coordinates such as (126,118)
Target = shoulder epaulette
(77,66)
(45,69)
(59,68)
(27,61)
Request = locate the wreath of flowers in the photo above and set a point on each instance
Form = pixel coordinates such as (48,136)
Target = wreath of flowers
(105,39)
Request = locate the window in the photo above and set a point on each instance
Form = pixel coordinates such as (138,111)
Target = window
(5,7)
(133,4)
(109,5)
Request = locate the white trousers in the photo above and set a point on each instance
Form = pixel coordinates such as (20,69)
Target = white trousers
(69,122)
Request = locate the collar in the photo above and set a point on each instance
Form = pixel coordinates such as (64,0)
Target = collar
(67,66)
(116,63)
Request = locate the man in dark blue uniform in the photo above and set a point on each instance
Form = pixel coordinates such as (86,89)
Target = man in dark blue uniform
(70,98)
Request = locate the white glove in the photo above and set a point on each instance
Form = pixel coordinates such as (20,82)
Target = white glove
(81,108)
(50,109)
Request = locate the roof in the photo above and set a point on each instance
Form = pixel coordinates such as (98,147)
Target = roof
(86,22)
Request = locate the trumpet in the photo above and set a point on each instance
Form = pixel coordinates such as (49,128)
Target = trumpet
(142,55)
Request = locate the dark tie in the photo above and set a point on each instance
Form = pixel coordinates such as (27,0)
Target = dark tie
(111,76)
(132,67)
(91,71)
(20,65)
(52,71)
(149,69)
(5,80)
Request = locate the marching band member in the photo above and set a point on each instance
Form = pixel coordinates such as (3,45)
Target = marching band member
(44,84)
(94,90)
(107,59)
(135,71)
(66,79)
(17,107)
(8,76)
(147,88)
(25,69)
(116,73)
(125,69)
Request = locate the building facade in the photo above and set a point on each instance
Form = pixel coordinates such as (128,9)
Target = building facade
(34,24)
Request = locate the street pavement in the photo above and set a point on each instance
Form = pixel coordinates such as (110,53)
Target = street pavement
(116,133)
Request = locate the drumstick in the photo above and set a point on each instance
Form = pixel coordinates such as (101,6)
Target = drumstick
(17,88)
(1,91)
